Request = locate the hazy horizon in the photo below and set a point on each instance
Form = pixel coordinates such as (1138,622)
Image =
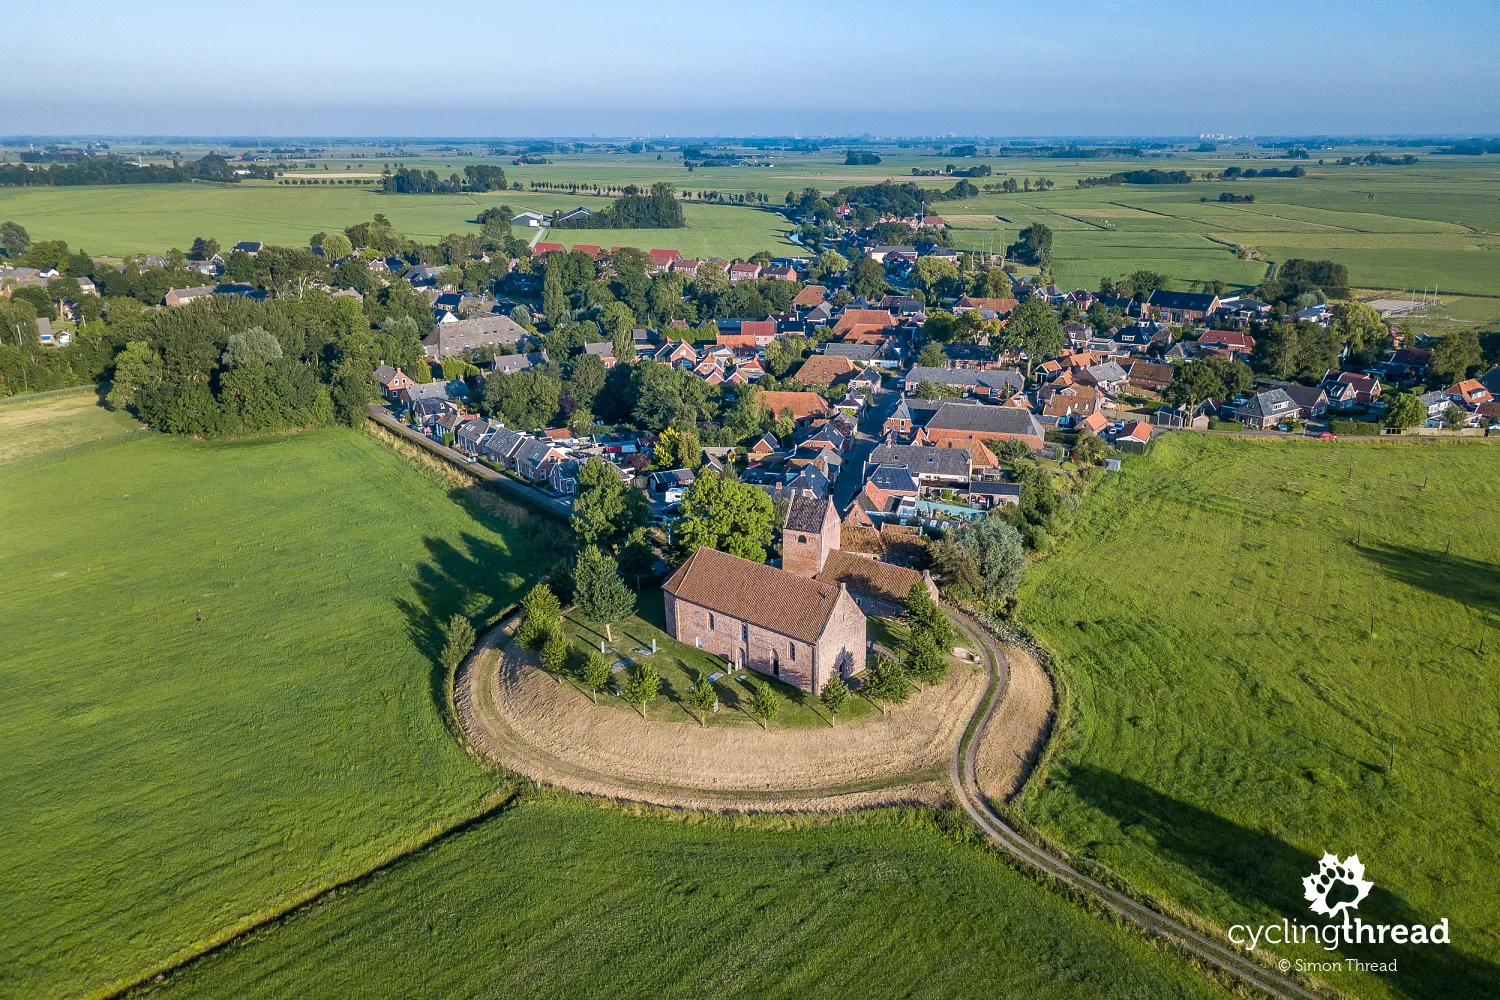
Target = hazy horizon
(1106,68)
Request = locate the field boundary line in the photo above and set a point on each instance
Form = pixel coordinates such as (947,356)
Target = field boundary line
(491,804)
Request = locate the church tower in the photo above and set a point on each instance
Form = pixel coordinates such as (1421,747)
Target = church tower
(810,533)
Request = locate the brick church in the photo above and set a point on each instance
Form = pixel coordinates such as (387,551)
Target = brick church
(803,623)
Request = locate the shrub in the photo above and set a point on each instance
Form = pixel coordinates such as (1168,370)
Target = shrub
(1359,428)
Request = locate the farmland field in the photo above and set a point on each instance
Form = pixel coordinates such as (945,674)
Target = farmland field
(555,898)
(175,780)
(168,778)
(1244,628)
(32,426)
(1432,224)
(115,221)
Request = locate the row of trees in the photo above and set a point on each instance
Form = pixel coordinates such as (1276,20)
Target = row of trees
(603,600)
(114,170)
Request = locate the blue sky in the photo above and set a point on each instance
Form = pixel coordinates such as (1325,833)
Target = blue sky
(1093,67)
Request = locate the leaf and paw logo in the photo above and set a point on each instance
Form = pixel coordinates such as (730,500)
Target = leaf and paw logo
(1336,885)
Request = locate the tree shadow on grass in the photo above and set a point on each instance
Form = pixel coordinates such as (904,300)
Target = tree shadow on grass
(470,578)
(1263,871)
(478,577)
(1457,578)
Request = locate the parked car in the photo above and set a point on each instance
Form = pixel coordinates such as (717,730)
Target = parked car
(1326,436)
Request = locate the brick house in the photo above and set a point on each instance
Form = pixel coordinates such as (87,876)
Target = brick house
(392,381)
(804,405)
(1180,307)
(762,330)
(824,370)
(776,623)
(957,424)
(810,297)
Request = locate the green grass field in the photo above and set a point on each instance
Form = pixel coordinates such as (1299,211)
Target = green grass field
(1432,224)
(168,779)
(114,221)
(174,781)
(1229,713)
(562,899)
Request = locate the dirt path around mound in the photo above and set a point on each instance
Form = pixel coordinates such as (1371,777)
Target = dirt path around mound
(1018,730)
(522,718)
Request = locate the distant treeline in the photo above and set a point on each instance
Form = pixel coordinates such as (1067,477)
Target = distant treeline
(1378,160)
(657,210)
(860,158)
(410,180)
(1474,147)
(1230,173)
(1152,176)
(979,170)
(1232,197)
(113,170)
(1091,152)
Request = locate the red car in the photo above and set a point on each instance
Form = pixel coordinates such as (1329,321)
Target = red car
(1326,436)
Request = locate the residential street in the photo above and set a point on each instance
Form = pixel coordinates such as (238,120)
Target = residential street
(529,494)
(850,475)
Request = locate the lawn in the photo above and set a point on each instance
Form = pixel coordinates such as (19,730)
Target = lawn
(1229,711)
(169,778)
(34,425)
(679,664)
(556,898)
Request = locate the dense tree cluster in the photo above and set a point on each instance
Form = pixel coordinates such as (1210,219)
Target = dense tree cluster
(1297,277)
(411,180)
(658,209)
(228,365)
(1152,176)
(1195,381)
(1034,246)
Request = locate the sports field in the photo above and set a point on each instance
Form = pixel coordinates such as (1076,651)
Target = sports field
(168,779)
(1230,707)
